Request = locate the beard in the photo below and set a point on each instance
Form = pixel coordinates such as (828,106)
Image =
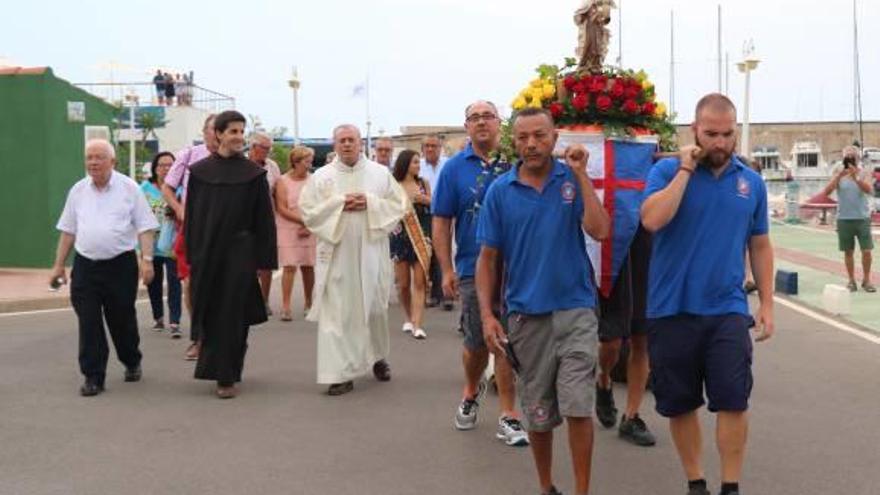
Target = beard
(717,158)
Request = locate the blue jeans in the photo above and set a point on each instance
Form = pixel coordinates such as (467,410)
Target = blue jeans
(169,266)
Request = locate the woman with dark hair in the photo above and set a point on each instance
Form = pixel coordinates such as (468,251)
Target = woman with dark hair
(411,242)
(163,256)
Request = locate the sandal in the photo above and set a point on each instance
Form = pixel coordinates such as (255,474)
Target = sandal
(868,287)
(285,315)
(192,352)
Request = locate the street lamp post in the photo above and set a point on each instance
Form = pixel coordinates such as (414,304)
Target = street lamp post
(294,85)
(132,99)
(748,64)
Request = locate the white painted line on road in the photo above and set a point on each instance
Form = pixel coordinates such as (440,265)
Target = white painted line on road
(874,339)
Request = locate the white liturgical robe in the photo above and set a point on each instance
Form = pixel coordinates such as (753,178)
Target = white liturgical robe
(353,273)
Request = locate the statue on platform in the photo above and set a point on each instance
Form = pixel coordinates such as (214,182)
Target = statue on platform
(592,19)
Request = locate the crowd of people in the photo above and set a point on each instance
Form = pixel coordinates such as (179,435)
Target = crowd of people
(504,240)
(173,89)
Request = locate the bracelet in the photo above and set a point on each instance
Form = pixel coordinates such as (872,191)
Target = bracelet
(680,168)
(147,258)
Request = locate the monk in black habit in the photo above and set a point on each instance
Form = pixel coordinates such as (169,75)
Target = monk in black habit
(229,234)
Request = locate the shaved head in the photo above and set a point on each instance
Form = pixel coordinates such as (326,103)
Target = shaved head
(716,103)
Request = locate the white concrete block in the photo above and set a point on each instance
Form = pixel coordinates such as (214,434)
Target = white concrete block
(836,299)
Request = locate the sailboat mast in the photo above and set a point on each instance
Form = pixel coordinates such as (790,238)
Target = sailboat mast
(620,33)
(857,83)
(719,48)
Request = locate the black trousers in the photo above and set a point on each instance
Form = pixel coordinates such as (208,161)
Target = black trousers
(105,290)
(436,276)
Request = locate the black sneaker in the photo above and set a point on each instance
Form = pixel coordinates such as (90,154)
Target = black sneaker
(699,490)
(635,431)
(553,491)
(606,412)
(133,374)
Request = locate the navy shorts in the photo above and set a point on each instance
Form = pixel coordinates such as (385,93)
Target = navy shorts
(688,352)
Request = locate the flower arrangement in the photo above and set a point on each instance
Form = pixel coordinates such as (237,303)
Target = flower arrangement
(622,102)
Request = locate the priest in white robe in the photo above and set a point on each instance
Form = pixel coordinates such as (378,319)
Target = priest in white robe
(351,205)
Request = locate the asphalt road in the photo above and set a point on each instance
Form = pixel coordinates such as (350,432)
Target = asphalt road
(814,422)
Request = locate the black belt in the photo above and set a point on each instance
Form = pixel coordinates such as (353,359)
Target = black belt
(116,258)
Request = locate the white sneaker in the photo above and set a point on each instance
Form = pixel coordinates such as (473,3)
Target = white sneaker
(419,334)
(408,327)
(511,432)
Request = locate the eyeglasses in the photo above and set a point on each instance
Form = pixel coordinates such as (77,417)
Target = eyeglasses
(384,149)
(261,146)
(476,117)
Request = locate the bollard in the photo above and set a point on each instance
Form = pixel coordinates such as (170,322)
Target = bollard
(835,299)
(786,282)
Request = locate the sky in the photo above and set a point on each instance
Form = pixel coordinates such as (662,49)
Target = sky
(427,59)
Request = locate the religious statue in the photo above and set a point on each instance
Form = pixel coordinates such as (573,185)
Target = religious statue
(592,18)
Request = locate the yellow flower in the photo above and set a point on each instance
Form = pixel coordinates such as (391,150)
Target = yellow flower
(549,90)
(647,85)
(641,76)
(537,94)
(660,110)
(519,103)
(536,103)
(536,83)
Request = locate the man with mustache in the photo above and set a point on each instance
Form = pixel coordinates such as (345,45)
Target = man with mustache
(533,223)
(706,208)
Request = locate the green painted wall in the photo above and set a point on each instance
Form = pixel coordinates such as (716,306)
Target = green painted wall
(41,157)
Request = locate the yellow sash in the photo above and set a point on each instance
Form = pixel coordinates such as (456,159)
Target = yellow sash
(420,243)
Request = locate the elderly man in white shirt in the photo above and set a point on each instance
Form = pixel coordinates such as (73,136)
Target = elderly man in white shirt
(432,164)
(260,147)
(103,219)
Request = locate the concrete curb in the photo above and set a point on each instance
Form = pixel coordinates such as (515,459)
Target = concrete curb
(43,303)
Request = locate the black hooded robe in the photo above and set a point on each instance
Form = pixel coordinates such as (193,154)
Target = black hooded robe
(230,234)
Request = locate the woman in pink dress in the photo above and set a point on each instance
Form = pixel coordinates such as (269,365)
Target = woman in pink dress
(296,245)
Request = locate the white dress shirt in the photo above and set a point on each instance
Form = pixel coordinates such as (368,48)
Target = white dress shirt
(273,173)
(431,173)
(106,222)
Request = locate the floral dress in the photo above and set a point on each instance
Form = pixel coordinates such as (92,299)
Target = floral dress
(401,246)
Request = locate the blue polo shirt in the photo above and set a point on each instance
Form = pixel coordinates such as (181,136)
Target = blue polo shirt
(697,265)
(460,191)
(541,240)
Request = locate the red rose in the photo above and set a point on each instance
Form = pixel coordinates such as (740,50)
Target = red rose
(580,102)
(631,106)
(556,109)
(568,82)
(648,108)
(578,87)
(603,102)
(596,84)
(633,88)
(617,89)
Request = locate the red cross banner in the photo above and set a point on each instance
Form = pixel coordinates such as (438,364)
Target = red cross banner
(618,169)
